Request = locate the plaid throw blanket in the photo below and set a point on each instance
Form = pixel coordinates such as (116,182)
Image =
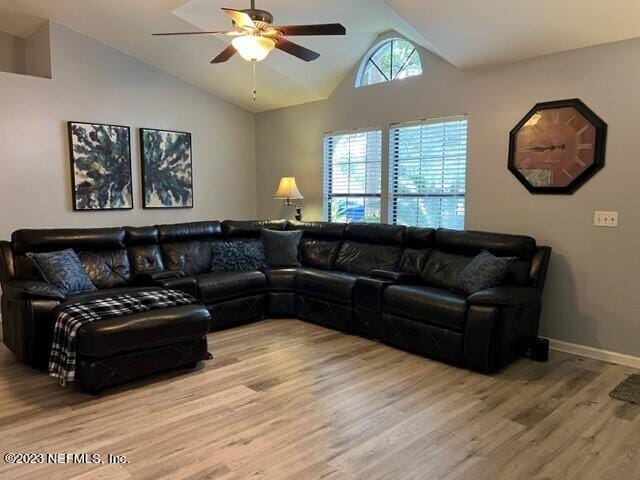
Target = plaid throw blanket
(62,361)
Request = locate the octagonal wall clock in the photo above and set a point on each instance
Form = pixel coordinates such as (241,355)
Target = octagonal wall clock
(557,147)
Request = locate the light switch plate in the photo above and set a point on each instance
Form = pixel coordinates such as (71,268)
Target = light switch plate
(605,219)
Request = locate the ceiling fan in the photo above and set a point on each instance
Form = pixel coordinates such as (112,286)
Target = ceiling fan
(255,35)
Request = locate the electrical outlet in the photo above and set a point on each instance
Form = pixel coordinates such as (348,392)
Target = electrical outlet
(605,219)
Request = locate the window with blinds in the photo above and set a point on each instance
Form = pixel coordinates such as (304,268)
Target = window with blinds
(353,176)
(427,173)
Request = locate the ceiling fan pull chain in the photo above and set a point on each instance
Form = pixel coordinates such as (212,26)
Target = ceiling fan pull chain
(255,90)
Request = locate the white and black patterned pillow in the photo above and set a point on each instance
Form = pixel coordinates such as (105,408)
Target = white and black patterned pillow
(237,256)
(484,271)
(64,270)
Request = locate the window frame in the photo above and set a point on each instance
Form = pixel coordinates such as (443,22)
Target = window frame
(391,168)
(386,164)
(373,50)
(327,195)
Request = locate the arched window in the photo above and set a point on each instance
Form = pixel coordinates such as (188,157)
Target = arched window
(392,59)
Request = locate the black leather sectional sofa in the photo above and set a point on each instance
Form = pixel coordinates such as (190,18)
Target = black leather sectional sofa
(381,281)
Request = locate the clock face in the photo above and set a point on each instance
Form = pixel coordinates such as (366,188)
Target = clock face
(557,146)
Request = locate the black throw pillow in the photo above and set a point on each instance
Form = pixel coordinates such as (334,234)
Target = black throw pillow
(64,270)
(281,247)
(484,271)
(237,256)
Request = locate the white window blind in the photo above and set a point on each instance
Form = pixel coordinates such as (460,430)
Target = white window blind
(353,176)
(427,173)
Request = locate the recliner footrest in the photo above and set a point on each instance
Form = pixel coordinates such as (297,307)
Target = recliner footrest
(115,350)
(94,374)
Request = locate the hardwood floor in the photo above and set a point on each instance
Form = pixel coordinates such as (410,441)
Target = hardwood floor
(285,399)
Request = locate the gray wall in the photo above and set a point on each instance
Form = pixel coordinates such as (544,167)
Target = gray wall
(37,52)
(94,83)
(591,297)
(12,56)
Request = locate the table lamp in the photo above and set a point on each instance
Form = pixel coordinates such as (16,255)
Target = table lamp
(287,191)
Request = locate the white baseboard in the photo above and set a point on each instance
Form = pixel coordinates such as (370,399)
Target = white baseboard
(595,353)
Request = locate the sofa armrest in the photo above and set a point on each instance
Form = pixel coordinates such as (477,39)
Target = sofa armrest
(173,279)
(151,276)
(7,264)
(32,289)
(403,278)
(368,292)
(495,335)
(504,296)
(539,267)
(27,323)
(186,284)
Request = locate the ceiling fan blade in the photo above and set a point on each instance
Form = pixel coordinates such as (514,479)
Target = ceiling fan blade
(322,29)
(241,19)
(296,50)
(191,33)
(225,55)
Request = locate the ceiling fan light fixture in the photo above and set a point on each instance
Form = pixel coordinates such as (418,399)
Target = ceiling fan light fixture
(253,48)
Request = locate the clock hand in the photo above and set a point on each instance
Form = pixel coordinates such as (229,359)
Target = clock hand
(550,148)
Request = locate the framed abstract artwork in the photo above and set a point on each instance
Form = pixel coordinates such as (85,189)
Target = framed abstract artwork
(167,176)
(100,166)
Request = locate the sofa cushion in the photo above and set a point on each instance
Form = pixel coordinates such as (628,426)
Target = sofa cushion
(219,286)
(145,258)
(238,256)
(334,286)
(281,247)
(317,253)
(191,258)
(413,260)
(428,305)
(64,270)
(320,243)
(362,258)
(107,268)
(443,268)
(281,279)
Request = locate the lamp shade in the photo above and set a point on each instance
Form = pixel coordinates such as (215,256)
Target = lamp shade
(288,189)
(253,48)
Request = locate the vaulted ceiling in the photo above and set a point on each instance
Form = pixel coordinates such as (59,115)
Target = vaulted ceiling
(468,34)
(478,33)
